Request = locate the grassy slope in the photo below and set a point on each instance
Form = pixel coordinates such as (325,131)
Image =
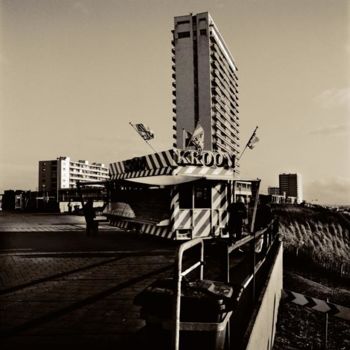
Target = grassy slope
(316,243)
(316,235)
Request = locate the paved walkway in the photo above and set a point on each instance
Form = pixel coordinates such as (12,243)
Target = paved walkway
(18,222)
(61,288)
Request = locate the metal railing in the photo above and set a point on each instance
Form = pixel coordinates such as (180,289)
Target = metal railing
(180,274)
(268,234)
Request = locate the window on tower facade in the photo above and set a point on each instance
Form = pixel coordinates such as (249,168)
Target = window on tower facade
(184,35)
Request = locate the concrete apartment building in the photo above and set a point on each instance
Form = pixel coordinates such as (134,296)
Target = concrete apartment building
(205,85)
(273,190)
(63,173)
(242,190)
(291,185)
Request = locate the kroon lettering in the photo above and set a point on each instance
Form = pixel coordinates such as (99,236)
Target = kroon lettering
(205,158)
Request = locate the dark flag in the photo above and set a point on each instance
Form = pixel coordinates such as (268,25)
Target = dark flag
(253,140)
(251,143)
(144,131)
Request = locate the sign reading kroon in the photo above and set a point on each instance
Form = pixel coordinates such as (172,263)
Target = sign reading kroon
(204,158)
(176,157)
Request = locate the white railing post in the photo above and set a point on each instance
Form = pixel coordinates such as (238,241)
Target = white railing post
(179,275)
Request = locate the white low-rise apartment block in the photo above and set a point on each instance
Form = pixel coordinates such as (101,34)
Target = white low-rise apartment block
(63,173)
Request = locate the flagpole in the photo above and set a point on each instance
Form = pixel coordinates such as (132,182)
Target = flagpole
(143,138)
(251,137)
(152,148)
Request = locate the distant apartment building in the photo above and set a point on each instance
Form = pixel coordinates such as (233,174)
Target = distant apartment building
(63,173)
(273,190)
(205,85)
(275,196)
(243,190)
(290,185)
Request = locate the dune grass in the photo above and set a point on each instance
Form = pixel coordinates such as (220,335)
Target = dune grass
(317,236)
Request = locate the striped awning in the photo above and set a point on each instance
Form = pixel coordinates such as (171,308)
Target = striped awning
(173,162)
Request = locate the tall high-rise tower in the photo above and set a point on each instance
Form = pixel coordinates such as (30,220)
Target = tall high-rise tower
(291,185)
(205,84)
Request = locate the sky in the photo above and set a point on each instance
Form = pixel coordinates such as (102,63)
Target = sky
(73,74)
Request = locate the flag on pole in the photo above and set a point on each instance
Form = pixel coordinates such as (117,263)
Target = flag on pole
(144,131)
(253,140)
(197,138)
(251,143)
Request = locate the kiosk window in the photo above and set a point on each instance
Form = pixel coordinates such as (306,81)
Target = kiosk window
(185,196)
(202,197)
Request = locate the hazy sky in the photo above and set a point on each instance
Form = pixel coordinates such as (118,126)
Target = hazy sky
(74,73)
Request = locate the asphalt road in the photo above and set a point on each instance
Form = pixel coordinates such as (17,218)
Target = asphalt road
(66,233)
(59,287)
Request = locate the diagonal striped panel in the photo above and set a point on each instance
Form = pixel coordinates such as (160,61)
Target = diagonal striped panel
(120,223)
(183,219)
(116,168)
(174,207)
(144,173)
(201,223)
(112,169)
(164,232)
(151,161)
(154,160)
(169,158)
(120,167)
(203,171)
(161,160)
(155,231)
(219,196)
(170,234)
(224,203)
(217,171)
(191,170)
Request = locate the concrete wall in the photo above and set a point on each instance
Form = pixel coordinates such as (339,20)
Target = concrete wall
(263,332)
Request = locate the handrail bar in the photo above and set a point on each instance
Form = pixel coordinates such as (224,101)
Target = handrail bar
(190,269)
(249,238)
(257,267)
(182,248)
